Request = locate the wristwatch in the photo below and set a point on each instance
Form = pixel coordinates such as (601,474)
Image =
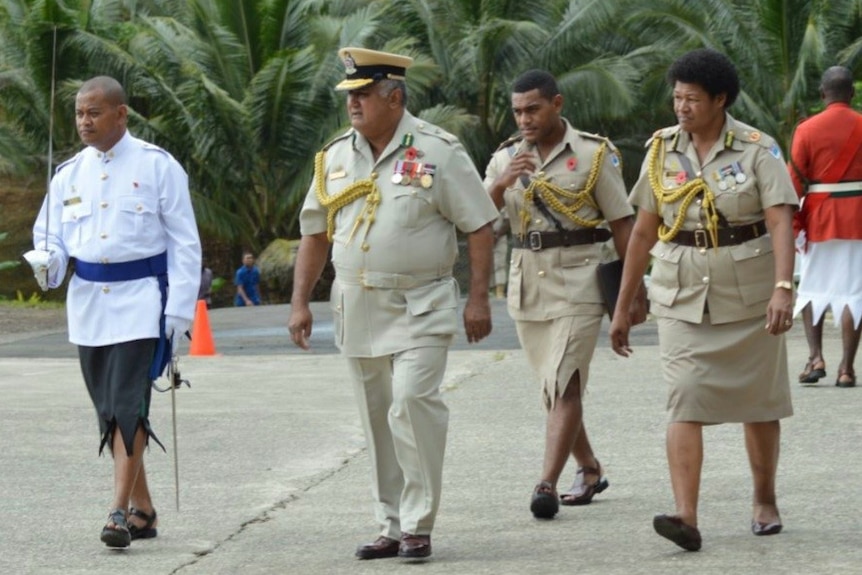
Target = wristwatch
(784,284)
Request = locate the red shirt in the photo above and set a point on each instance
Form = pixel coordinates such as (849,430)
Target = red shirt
(816,143)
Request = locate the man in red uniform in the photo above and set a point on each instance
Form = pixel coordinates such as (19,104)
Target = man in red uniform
(826,167)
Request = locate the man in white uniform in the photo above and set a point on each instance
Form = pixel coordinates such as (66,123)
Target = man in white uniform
(121,209)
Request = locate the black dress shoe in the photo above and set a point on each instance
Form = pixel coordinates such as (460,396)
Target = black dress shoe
(671,527)
(759,528)
(414,546)
(545,502)
(382,548)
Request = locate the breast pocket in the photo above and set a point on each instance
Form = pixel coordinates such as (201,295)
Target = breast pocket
(77,223)
(741,201)
(665,274)
(138,217)
(412,206)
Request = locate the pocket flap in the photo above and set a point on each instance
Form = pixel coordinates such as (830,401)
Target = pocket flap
(667,252)
(137,204)
(431,297)
(75,212)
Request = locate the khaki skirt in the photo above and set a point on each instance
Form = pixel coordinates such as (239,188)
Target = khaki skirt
(734,372)
(557,348)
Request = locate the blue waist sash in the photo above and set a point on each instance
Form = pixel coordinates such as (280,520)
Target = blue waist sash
(155,266)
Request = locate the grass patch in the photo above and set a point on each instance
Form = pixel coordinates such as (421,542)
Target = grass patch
(33,301)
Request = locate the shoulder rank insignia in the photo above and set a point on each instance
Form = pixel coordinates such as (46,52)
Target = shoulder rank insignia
(510,142)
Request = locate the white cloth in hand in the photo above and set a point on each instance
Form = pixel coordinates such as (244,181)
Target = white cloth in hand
(176,327)
(45,267)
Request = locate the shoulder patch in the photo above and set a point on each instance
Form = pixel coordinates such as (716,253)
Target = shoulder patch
(437,132)
(758,138)
(510,142)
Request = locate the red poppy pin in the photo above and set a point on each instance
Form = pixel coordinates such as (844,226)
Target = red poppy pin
(411,153)
(572,163)
(681,178)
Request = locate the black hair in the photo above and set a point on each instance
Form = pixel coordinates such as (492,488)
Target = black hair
(837,84)
(539,80)
(709,69)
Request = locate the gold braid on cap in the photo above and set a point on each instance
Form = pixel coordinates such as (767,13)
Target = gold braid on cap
(348,195)
(551,194)
(683,194)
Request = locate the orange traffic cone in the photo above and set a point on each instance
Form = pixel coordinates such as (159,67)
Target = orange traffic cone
(202,337)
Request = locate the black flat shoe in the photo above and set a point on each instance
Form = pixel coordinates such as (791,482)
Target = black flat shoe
(673,528)
(145,532)
(545,502)
(759,528)
(118,536)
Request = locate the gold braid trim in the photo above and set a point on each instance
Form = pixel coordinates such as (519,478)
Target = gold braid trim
(686,193)
(551,194)
(347,196)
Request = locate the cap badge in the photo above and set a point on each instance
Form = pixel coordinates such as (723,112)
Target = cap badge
(349,64)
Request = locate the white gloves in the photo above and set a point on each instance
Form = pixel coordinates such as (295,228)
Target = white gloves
(176,327)
(45,267)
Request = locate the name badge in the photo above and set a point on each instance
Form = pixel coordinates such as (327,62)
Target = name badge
(72,201)
(337,175)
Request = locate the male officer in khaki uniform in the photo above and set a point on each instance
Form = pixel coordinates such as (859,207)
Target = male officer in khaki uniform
(558,185)
(388,195)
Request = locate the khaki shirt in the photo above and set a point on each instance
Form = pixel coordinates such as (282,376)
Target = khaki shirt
(746,174)
(394,288)
(560,281)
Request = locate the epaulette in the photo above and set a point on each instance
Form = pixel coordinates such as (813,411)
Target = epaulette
(153,148)
(432,130)
(663,133)
(510,142)
(751,136)
(597,137)
(68,162)
(336,139)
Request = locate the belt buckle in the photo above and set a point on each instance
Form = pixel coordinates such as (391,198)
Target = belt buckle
(701,240)
(535,240)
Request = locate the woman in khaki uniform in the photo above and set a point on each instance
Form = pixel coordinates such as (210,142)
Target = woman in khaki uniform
(715,207)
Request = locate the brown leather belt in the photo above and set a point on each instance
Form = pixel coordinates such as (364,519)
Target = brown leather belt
(731,236)
(538,241)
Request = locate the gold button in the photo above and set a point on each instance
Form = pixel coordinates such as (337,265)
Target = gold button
(98,154)
(757,251)
(111,154)
(105,289)
(103,235)
(541,273)
(699,174)
(373,175)
(104,176)
(139,207)
(104,204)
(699,202)
(706,279)
(365,247)
(413,193)
(538,222)
(338,307)
(587,260)
(699,226)
(702,250)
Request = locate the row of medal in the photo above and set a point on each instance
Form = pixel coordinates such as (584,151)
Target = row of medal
(409,173)
(729,176)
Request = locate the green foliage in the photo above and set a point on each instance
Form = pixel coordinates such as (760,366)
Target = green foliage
(7,264)
(241,92)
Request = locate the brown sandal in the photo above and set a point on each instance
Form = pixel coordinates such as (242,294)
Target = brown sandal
(813,371)
(580,493)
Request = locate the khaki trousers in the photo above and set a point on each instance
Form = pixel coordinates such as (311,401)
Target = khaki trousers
(405,423)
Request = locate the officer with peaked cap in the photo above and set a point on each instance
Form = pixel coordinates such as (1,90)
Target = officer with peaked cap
(389,195)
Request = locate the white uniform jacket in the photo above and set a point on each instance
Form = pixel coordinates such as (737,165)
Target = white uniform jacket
(129,203)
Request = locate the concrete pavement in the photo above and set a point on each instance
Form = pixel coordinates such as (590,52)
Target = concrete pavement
(275,477)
